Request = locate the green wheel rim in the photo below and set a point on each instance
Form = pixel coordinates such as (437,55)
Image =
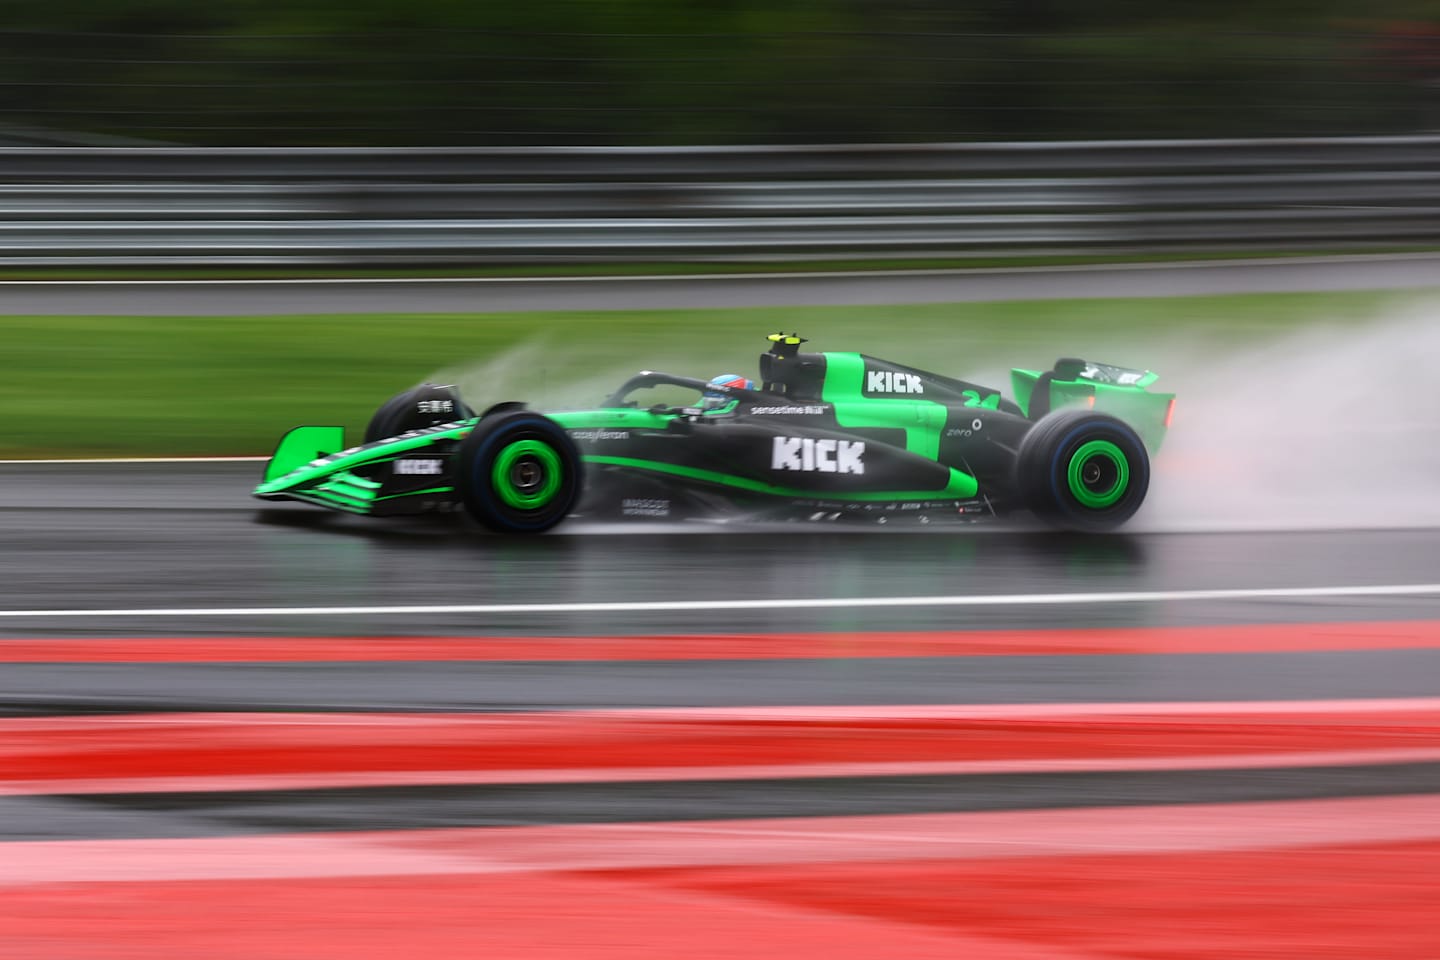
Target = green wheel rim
(1098,475)
(526,474)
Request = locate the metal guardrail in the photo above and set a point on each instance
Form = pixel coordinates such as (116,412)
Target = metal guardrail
(117,206)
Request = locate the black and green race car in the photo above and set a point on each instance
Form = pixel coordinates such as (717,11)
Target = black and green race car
(819,437)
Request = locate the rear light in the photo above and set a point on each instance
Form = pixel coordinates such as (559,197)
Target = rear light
(1169,413)
(1090,401)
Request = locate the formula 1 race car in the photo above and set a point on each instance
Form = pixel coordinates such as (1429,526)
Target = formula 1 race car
(821,436)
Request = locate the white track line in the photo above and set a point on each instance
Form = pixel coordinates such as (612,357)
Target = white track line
(797,603)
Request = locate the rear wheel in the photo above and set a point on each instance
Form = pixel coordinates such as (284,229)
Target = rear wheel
(519,472)
(1083,471)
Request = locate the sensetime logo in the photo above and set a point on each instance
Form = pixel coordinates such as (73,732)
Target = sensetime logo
(817,456)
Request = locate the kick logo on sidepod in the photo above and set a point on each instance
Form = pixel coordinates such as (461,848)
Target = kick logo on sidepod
(809,455)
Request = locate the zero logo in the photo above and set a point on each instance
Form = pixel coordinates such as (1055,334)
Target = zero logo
(971,430)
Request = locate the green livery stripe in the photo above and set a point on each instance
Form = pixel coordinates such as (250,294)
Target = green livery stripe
(844,377)
(612,418)
(960,487)
(922,420)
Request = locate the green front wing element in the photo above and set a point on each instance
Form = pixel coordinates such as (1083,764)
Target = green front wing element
(301,446)
(312,464)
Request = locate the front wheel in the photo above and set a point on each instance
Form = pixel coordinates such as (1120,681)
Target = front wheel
(519,472)
(1083,471)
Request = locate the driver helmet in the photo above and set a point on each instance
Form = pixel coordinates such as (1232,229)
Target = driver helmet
(714,399)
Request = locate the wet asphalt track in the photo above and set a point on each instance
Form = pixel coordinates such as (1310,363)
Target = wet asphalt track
(188,536)
(158,536)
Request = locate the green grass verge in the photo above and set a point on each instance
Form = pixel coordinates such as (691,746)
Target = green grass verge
(116,386)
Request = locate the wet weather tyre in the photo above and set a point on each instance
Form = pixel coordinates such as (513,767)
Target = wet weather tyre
(408,411)
(519,472)
(1084,471)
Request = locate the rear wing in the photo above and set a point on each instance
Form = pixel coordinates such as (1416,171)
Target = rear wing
(1122,392)
(1106,373)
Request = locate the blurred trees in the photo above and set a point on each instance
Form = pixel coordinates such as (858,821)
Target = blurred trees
(378,72)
